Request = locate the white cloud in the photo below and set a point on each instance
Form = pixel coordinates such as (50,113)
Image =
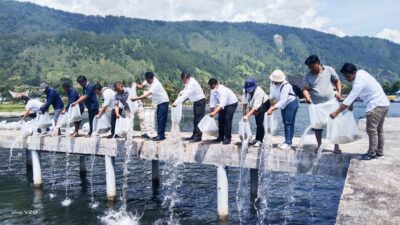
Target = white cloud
(390,34)
(285,12)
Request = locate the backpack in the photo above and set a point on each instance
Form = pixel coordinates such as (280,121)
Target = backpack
(296,89)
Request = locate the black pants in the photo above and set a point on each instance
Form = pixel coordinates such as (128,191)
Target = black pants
(114,120)
(92,113)
(225,118)
(162,115)
(199,109)
(260,120)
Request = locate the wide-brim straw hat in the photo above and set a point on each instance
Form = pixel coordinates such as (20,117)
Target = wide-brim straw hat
(277,76)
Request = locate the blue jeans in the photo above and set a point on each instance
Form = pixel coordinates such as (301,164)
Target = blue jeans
(288,118)
(162,115)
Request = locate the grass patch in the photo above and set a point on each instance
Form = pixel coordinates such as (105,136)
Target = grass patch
(12,107)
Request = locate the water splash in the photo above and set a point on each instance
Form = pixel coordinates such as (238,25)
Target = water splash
(66,202)
(52,178)
(294,164)
(264,175)
(93,203)
(11,153)
(119,218)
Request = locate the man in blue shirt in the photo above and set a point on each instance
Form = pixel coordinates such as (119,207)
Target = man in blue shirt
(90,98)
(52,98)
(73,96)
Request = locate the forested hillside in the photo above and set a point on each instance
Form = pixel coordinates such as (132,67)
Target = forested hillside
(42,44)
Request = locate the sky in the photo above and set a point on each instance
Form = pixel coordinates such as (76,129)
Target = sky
(340,17)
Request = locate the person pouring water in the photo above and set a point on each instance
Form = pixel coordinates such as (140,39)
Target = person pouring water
(53,99)
(195,94)
(286,100)
(257,100)
(318,89)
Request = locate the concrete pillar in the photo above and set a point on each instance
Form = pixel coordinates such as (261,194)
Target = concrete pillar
(28,157)
(222,192)
(155,172)
(82,165)
(37,172)
(110,177)
(253,183)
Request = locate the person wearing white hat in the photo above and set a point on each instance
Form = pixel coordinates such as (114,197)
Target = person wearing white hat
(286,100)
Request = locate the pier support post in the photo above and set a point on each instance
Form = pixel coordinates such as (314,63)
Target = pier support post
(28,157)
(253,183)
(82,166)
(222,192)
(37,171)
(155,172)
(110,177)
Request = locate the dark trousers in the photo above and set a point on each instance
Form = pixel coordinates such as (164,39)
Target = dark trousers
(260,120)
(162,115)
(199,109)
(92,113)
(225,118)
(114,120)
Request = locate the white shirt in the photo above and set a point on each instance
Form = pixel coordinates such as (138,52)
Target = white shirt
(158,93)
(192,90)
(368,89)
(33,105)
(223,96)
(283,95)
(108,97)
(256,100)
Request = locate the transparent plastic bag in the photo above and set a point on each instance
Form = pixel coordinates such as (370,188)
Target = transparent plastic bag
(319,113)
(122,126)
(271,123)
(27,128)
(176,114)
(245,131)
(44,121)
(208,125)
(102,125)
(62,121)
(74,114)
(343,129)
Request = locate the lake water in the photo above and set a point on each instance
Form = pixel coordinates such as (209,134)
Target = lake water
(20,203)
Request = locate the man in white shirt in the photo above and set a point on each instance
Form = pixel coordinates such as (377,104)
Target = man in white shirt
(195,94)
(224,102)
(31,106)
(160,98)
(370,91)
(108,96)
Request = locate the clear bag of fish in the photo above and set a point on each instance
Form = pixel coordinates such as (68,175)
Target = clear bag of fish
(343,129)
(208,125)
(101,125)
(44,121)
(74,114)
(271,123)
(244,131)
(122,126)
(176,114)
(319,113)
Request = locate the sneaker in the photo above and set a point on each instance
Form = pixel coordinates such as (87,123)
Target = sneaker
(145,136)
(285,146)
(367,156)
(380,156)
(253,142)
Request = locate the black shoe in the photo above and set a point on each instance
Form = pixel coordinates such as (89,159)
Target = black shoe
(195,140)
(189,138)
(158,138)
(226,142)
(110,136)
(367,157)
(380,156)
(218,140)
(145,136)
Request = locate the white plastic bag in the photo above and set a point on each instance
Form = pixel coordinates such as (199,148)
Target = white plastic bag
(208,125)
(62,121)
(74,114)
(122,126)
(43,121)
(319,113)
(244,131)
(176,114)
(343,129)
(27,128)
(102,125)
(271,123)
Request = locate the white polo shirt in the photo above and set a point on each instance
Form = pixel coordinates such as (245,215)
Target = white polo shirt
(158,93)
(368,89)
(33,105)
(256,100)
(223,96)
(108,97)
(192,91)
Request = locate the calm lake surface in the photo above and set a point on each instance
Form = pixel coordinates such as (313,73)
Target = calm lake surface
(20,203)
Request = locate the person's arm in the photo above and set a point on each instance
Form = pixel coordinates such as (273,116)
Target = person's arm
(116,108)
(102,111)
(222,102)
(348,102)
(142,96)
(339,90)
(215,111)
(26,114)
(244,100)
(80,99)
(184,94)
(306,93)
(50,98)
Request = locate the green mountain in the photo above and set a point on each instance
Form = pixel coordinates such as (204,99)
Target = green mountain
(42,44)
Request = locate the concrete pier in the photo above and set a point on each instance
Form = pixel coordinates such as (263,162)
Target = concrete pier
(222,192)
